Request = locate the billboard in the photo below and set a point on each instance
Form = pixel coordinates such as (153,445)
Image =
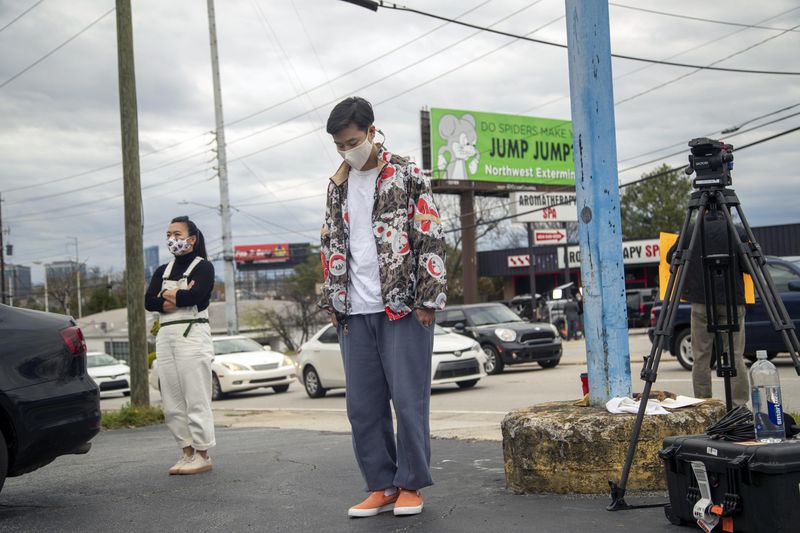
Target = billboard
(261,254)
(471,145)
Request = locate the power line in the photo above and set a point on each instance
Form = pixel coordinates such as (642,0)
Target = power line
(371,61)
(725,131)
(388,5)
(688,17)
(56,49)
(21,15)
(623,185)
(687,74)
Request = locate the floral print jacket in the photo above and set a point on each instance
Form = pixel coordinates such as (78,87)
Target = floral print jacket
(408,236)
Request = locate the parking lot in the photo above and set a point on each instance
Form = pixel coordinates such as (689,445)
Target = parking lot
(469,413)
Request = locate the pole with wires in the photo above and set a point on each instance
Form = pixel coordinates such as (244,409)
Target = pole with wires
(231,315)
(597,194)
(132,191)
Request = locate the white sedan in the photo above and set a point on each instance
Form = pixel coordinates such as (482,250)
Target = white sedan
(456,359)
(241,364)
(111,375)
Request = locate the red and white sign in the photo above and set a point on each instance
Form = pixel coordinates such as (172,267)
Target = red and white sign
(516,261)
(549,236)
(259,254)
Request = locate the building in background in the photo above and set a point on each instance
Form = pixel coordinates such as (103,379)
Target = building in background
(151,261)
(62,269)
(18,282)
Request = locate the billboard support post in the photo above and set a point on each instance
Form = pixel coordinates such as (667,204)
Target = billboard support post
(597,189)
(532,273)
(469,256)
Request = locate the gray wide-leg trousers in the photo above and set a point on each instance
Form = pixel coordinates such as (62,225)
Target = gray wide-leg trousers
(389,360)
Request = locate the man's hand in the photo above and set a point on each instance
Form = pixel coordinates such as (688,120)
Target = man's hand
(168,306)
(426,316)
(332,316)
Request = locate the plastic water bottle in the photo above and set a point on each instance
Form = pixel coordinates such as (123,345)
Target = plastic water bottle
(765,390)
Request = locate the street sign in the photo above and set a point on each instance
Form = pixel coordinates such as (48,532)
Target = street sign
(544,207)
(549,236)
(644,251)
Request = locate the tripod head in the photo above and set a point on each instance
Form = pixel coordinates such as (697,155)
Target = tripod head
(712,161)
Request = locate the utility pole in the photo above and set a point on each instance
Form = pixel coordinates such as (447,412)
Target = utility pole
(597,191)
(231,314)
(532,274)
(78,276)
(468,251)
(2,258)
(132,192)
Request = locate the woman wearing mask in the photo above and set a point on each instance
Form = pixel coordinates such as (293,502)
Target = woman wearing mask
(180,291)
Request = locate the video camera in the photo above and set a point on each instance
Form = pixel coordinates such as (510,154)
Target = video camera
(712,161)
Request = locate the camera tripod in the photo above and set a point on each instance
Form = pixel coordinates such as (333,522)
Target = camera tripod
(718,268)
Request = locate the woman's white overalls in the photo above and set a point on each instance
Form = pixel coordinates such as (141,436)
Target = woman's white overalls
(185,351)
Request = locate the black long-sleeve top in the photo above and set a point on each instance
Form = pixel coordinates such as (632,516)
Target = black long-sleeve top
(199,294)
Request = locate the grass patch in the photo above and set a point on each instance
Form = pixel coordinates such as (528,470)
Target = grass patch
(130,416)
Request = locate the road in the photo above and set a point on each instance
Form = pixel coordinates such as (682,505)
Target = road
(470,413)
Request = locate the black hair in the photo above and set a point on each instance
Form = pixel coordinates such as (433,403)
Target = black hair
(200,244)
(354,110)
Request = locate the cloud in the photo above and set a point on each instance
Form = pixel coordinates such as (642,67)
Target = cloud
(61,118)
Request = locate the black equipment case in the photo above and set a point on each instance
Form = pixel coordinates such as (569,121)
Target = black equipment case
(756,487)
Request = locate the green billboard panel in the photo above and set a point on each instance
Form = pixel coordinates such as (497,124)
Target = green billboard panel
(470,145)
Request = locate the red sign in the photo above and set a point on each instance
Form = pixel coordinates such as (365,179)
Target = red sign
(549,236)
(260,254)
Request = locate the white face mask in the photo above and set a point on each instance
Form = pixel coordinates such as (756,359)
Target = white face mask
(357,157)
(178,246)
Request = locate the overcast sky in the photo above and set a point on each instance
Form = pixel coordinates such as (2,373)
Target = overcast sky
(288,61)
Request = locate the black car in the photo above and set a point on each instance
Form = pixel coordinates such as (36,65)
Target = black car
(640,302)
(759,334)
(49,406)
(504,336)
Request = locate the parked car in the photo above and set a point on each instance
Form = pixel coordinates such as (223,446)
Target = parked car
(506,339)
(640,303)
(456,359)
(242,364)
(759,334)
(49,406)
(111,375)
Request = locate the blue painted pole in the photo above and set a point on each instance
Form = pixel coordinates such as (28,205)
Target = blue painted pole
(597,190)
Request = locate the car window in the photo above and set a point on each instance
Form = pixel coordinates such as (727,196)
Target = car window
(329,336)
(781,276)
(450,317)
(492,314)
(101,359)
(226,346)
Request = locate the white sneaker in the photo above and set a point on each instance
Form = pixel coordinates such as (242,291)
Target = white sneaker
(175,469)
(196,464)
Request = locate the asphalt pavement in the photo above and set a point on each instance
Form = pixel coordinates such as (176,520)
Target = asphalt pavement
(268,479)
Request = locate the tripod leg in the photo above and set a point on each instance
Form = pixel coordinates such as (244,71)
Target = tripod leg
(754,262)
(666,320)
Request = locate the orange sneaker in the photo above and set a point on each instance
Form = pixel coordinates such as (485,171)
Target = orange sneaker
(377,502)
(409,502)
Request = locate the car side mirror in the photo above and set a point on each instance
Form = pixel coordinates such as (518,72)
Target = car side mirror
(794,285)
(459,327)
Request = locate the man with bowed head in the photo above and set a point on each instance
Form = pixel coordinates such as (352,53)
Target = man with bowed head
(383,258)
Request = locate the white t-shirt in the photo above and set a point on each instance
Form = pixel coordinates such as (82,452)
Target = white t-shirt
(364,291)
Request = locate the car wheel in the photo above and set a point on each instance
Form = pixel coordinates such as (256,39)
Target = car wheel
(494,363)
(683,348)
(551,363)
(312,383)
(216,388)
(280,388)
(467,384)
(3,460)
